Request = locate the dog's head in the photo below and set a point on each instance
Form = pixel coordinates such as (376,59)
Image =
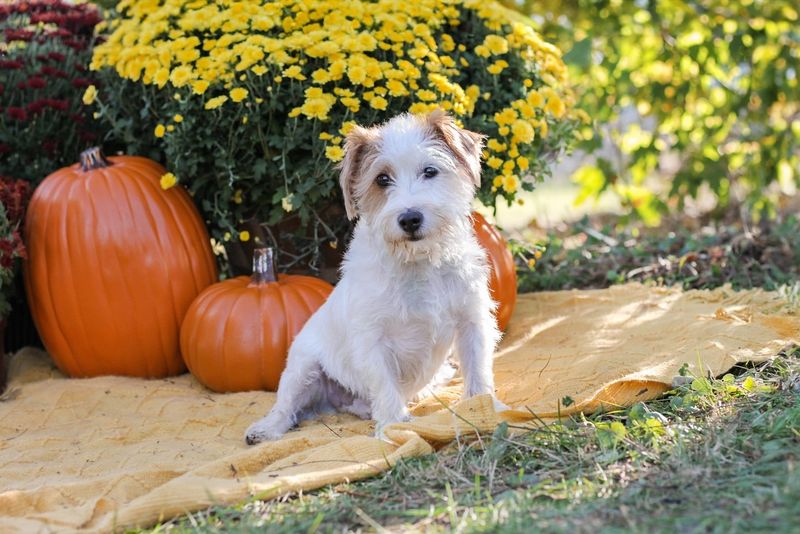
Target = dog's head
(413,177)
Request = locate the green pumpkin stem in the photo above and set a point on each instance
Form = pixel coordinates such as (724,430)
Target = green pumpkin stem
(263,267)
(93,158)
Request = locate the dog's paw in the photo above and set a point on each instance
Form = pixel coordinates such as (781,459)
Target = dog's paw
(380,434)
(380,426)
(500,406)
(262,430)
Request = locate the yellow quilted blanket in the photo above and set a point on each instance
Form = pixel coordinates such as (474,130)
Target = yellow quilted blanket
(108,453)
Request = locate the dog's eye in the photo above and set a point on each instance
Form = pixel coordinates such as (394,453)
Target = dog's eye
(430,172)
(383,180)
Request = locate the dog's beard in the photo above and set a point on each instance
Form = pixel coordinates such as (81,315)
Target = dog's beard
(435,247)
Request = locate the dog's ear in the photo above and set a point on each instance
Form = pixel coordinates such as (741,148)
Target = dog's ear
(465,145)
(356,145)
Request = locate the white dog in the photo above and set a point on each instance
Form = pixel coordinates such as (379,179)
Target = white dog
(413,287)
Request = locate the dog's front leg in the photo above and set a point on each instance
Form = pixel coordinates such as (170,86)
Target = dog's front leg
(389,404)
(298,385)
(475,342)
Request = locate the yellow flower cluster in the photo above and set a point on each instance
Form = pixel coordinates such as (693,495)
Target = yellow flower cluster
(346,57)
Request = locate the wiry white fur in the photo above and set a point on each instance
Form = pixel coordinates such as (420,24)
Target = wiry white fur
(401,306)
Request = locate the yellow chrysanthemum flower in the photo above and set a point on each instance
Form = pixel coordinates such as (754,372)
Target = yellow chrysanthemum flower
(159,131)
(90,95)
(555,106)
(426,95)
(353,104)
(497,67)
(294,72)
(522,131)
(347,127)
(161,77)
(181,76)
(239,94)
(510,183)
(505,117)
(379,103)
(244,236)
(535,99)
(334,153)
(494,162)
(168,180)
(496,145)
(321,76)
(496,44)
(199,87)
(216,102)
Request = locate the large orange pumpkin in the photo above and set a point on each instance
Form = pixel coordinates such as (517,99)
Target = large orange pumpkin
(237,333)
(114,261)
(503,277)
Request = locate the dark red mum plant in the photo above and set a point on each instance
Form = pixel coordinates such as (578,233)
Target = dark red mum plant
(45,48)
(14,197)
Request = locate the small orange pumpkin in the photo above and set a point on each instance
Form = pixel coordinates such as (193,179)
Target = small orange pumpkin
(114,261)
(237,333)
(503,276)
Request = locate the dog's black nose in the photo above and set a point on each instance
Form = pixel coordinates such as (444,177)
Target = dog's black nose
(410,221)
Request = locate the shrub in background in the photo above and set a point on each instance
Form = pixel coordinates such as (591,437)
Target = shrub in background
(717,78)
(45,50)
(247,103)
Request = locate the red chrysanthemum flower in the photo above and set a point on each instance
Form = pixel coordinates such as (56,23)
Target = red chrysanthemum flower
(81,82)
(11,64)
(17,113)
(37,82)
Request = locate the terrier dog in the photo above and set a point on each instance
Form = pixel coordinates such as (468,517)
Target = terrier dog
(414,282)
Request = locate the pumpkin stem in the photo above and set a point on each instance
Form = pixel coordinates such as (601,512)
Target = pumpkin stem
(263,267)
(93,158)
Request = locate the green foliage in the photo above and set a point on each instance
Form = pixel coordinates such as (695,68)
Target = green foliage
(715,83)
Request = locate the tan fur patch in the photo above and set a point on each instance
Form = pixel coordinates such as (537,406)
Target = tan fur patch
(360,149)
(371,197)
(465,145)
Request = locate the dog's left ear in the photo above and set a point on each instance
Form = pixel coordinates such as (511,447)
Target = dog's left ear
(465,145)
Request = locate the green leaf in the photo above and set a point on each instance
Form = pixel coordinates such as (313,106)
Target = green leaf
(580,55)
(702,385)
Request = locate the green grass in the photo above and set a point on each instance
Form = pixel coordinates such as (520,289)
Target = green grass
(714,455)
(589,255)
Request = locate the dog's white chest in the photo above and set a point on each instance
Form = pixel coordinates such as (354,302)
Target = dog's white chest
(421,332)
